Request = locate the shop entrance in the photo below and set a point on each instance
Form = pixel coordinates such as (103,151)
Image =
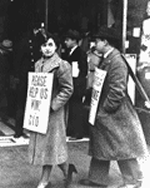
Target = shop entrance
(83,15)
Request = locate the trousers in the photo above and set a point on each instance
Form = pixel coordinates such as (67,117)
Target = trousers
(129,168)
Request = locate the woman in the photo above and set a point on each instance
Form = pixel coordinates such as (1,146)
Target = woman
(51,149)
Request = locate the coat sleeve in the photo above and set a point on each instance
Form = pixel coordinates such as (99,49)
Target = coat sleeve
(65,84)
(117,84)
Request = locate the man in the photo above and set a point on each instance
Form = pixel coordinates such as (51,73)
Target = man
(117,133)
(27,53)
(78,60)
(5,66)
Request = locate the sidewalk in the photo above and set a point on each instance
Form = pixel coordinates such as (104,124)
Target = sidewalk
(16,172)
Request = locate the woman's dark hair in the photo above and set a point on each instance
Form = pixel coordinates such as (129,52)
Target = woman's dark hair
(53,36)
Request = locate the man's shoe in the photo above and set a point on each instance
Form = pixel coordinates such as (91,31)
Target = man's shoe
(136,185)
(75,137)
(18,135)
(87,182)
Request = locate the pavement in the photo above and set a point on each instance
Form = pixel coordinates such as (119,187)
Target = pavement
(16,172)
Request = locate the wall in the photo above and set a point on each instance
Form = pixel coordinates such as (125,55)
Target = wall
(3,17)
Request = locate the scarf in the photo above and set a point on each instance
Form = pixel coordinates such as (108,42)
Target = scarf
(48,64)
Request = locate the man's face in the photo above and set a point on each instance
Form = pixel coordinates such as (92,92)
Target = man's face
(48,48)
(69,42)
(100,45)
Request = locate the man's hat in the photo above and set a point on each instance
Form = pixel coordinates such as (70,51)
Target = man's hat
(107,33)
(6,45)
(73,34)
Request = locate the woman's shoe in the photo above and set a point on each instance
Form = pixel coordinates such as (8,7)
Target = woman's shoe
(71,169)
(43,185)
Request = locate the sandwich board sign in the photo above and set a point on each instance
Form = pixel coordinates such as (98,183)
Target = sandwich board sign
(38,102)
(99,77)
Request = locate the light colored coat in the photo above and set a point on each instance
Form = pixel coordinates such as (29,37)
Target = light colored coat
(51,148)
(117,133)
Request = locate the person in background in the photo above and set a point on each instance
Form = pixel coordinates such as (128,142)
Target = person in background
(78,61)
(27,52)
(51,148)
(85,41)
(117,133)
(143,63)
(144,56)
(5,51)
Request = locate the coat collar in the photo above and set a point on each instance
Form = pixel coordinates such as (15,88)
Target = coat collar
(108,52)
(113,53)
(73,49)
(47,65)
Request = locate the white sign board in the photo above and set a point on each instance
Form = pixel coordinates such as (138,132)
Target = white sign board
(132,60)
(99,77)
(38,102)
(75,69)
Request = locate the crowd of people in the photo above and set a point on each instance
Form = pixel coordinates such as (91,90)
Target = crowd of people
(117,133)
(25,52)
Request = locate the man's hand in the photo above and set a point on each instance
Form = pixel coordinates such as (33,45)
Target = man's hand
(147,104)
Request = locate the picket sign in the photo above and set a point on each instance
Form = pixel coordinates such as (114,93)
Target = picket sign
(99,77)
(38,102)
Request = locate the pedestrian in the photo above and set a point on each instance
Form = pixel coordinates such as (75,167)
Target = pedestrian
(117,133)
(143,64)
(78,61)
(51,148)
(144,56)
(5,51)
(27,52)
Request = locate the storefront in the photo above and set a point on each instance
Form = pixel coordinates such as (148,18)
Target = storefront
(84,15)
(80,14)
(58,15)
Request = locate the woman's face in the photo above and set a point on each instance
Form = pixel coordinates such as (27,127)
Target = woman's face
(48,49)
